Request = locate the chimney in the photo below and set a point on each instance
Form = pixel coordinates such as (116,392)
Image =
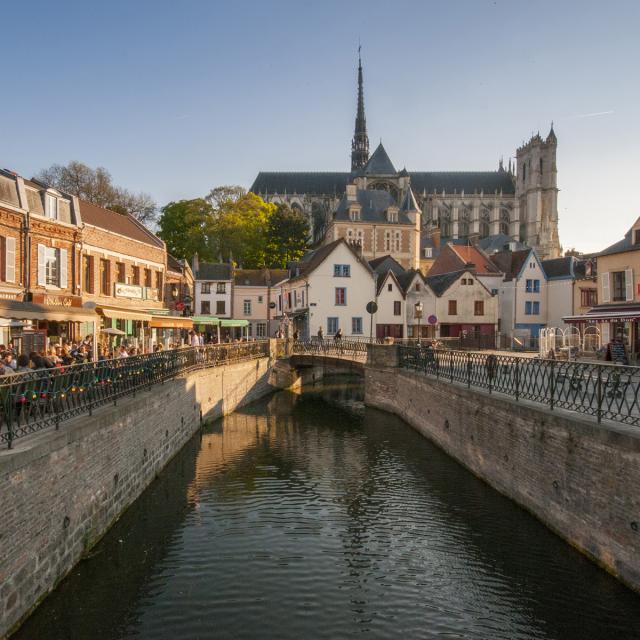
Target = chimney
(435,235)
(195,265)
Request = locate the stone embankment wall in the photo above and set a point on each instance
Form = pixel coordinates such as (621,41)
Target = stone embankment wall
(61,490)
(580,478)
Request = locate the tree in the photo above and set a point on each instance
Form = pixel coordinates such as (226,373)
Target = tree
(225,195)
(287,236)
(184,226)
(96,185)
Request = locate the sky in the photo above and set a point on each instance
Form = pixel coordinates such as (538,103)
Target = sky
(174,98)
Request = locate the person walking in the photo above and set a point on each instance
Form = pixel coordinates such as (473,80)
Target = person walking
(320,334)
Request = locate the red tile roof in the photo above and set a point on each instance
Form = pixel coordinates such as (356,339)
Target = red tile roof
(456,257)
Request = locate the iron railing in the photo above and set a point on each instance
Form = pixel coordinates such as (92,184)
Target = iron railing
(351,349)
(35,400)
(606,392)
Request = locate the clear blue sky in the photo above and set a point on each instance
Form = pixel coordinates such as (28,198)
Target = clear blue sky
(177,97)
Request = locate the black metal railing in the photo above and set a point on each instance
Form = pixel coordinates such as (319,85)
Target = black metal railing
(34,400)
(606,392)
(351,349)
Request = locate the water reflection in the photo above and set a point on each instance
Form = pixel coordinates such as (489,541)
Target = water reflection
(297,519)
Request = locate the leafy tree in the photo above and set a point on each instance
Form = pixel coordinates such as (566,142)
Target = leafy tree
(184,226)
(225,195)
(287,236)
(96,185)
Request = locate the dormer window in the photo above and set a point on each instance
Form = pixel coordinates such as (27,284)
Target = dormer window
(392,215)
(428,252)
(51,208)
(636,236)
(354,214)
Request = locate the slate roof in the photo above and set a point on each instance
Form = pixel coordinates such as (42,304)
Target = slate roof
(379,164)
(409,202)
(386,263)
(258,277)
(406,277)
(120,223)
(440,283)
(335,182)
(213,271)
(498,242)
(510,262)
(559,268)
(373,203)
(381,282)
(626,244)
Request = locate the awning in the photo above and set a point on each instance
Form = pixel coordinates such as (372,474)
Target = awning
(205,320)
(234,323)
(16,310)
(118,313)
(171,322)
(630,313)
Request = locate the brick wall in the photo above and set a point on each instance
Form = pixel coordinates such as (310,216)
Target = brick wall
(579,478)
(62,490)
(10,223)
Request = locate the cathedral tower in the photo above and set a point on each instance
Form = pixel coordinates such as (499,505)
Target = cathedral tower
(537,194)
(360,142)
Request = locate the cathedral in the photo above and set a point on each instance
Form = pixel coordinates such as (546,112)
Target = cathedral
(408,214)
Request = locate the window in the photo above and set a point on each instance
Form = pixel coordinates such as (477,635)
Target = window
(52,267)
(478,308)
(260,299)
(453,307)
(342,270)
(527,308)
(8,259)
(221,287)
(531,308)
(397,308)
(246,307)
(136,275)
(332,325)
(417,286)
(221,307)
(105,277)
(397,242)
(463,281)
(387,241)
(354,213)
(588,297)
(205,307)
(87,273)
(147,277)
(535,308)
(619,286)
(529,286)
(341,296)
(356,326)
(541,165)
(536,286)
(205,287)
(295,298)
(261,330)
(389,287)
(428,252)
(51,208)
(636,236)
(159,282)
(120,272)
(302,296)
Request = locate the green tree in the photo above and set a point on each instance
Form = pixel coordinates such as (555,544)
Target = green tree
(185,226)
(287,236)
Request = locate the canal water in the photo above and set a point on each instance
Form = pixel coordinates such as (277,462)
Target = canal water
(308,517)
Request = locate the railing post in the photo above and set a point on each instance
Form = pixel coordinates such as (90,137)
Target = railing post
(451,366)
(12,409)
(599,415)
(552,383)
(517,379)
(468,370)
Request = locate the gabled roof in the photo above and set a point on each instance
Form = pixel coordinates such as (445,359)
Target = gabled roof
(386,263)
(379,164)
(120,223)
(406,278)
(510,262)
(454,257)
(313,259)
(258,277)
(440,283)
(626,244)
(380,284)
(373,204)
(213,271)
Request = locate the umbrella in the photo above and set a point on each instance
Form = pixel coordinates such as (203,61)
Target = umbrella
(112,332)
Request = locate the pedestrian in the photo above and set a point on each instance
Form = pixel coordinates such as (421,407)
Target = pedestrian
(295,335)
(320,334)
(338,335)
(22,363)
(122,352)
(8,361)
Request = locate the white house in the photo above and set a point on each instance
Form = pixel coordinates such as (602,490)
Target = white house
(522,296)
(329,289)
(212,289)
(418,291)
(390,319)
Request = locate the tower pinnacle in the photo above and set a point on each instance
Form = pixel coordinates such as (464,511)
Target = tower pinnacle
(360,142)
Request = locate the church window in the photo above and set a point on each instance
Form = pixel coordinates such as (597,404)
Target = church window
(524,171)
(445,229)
(484,229)
(504,228)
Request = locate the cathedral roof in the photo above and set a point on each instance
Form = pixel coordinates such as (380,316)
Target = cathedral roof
(373,203)
(335,182)
(379,164)
(409,202)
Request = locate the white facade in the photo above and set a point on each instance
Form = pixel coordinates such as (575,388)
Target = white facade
(333,295)
(213,298)
(418,291)
(391,316)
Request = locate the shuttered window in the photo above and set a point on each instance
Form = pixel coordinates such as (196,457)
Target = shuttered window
(606,296)
(628,280)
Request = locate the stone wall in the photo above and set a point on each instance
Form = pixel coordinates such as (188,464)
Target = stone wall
(62,490)
(580,478)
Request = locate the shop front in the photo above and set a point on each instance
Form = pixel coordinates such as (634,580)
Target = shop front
(169,331)
(131,327)
(33,326)
(232,330)
(208,326)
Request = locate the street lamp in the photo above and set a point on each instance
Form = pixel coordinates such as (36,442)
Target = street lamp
(418,314)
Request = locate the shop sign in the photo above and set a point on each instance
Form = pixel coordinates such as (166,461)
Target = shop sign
(128,291)
(57,301)
(150,294)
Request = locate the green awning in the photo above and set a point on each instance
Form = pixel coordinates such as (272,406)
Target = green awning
(234,323)
(205,320)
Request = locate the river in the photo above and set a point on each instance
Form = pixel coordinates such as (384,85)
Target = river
(309,517)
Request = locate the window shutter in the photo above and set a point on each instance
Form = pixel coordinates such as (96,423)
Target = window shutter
(628,283)
(42,278)
(10,259)
(605,287)
(62,268)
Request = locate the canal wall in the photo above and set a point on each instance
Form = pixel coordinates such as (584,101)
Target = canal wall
(580,478)
(60,491)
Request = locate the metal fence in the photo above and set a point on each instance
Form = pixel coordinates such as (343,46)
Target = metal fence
(603,391)
(34,400)
(351,349)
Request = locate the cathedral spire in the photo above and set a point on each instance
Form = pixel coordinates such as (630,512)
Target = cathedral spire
(360,142)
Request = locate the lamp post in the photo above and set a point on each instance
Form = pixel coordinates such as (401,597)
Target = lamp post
(418,314)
